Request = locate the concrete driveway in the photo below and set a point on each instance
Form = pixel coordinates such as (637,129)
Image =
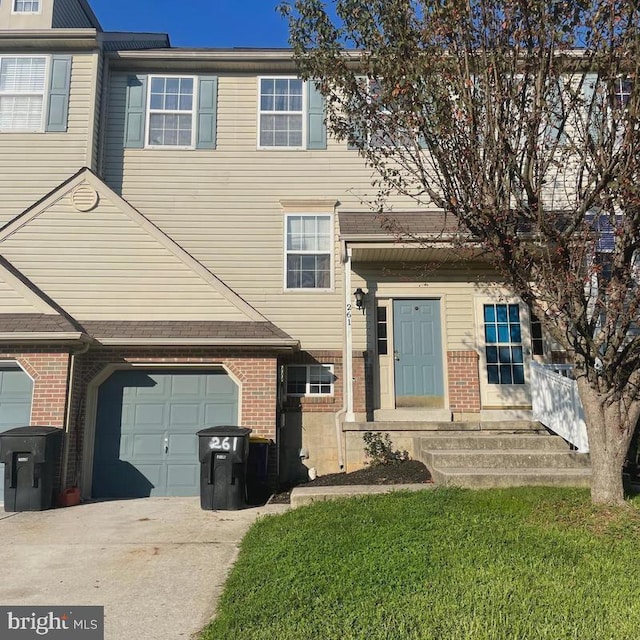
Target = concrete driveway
(157,565)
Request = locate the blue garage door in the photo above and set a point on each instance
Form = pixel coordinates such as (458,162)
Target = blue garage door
(145,442)
(16,391)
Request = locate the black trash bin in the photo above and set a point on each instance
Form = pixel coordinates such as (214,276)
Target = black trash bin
(223,453)
(258,489)
(30,456)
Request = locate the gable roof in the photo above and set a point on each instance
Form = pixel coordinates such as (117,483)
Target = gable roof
(114,276)
(133,224)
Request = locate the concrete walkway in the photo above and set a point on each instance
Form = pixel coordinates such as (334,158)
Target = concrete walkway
(157,565)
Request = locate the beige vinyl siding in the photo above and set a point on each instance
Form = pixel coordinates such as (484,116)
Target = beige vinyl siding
(11,301)
(33,164)
(457,291)
(101,265)
(223,205)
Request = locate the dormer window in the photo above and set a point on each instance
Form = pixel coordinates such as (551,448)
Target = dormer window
(26,6)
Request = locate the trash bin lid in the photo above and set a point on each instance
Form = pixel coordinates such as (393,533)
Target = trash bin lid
(30,432)
(224,432)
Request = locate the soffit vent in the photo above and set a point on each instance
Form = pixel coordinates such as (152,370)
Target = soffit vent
(84,198)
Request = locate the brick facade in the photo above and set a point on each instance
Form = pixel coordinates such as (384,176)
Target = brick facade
(49,371)
(464,381)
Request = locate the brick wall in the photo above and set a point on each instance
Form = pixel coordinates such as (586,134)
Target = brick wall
(464,381)
(49,370)
(256,373)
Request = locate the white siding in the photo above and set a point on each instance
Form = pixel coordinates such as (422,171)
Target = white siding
(101,265)
(34,164)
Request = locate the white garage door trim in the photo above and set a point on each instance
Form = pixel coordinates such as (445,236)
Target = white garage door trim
(91,415)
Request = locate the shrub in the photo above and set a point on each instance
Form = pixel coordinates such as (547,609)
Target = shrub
(379,449)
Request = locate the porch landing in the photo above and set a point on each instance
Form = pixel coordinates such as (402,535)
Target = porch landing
(482,454)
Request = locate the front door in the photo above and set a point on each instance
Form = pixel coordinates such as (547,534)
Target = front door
(417,340)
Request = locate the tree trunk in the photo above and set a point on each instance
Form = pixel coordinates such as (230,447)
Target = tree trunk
(610,428)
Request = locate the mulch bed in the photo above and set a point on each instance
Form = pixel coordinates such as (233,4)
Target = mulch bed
(406,472)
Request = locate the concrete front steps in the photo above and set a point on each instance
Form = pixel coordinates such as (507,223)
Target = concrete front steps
(499,458)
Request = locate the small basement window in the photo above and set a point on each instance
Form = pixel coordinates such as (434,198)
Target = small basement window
(310,380)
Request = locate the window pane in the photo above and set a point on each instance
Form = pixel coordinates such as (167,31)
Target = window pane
(492,374)
(517,355)
(501,312)
(489,313)
(503,333)
(22,75)
(516,334)
(518,374)
(490,334)
(21,113)
(505,374)
(514,313)
(492,355)
(296,380)
(504,354)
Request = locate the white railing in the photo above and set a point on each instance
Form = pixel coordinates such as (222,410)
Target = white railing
(556,403)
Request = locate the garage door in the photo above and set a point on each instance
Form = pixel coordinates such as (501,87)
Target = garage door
(145,442)
(16,391)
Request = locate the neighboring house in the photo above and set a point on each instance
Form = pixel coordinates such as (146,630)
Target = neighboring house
(180,247)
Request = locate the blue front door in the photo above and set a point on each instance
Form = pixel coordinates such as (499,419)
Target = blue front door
(145,443)
(417,339)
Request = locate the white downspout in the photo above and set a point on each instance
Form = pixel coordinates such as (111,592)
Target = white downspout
(348,354)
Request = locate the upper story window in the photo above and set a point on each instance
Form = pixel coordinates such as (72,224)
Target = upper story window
(308,252)
(281,113)
(22,93)
(171,111)
(34,93)
(622,91)
(26,6)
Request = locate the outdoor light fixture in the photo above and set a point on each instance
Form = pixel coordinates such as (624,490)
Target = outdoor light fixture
(358,294)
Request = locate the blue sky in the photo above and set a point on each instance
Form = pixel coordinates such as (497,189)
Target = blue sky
(198,23)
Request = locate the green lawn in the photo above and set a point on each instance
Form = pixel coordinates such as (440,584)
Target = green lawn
(540,564)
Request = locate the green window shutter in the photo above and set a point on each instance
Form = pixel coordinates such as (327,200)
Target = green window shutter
(207,106)
(59,87)
(316,127)
(135,116)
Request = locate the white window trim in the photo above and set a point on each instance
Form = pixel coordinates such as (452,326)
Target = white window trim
(308,290)
(307,393)
(194,112)
(25,13)
(45,94)
(304,112)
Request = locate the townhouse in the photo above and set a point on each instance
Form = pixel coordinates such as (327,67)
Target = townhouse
(182,245)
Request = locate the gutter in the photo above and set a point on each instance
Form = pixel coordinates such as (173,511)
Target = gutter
(43,337)
(266,343)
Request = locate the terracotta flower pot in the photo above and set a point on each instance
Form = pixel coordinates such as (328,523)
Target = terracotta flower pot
(69,497)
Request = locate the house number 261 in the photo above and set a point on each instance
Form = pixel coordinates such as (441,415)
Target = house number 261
(223,444)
